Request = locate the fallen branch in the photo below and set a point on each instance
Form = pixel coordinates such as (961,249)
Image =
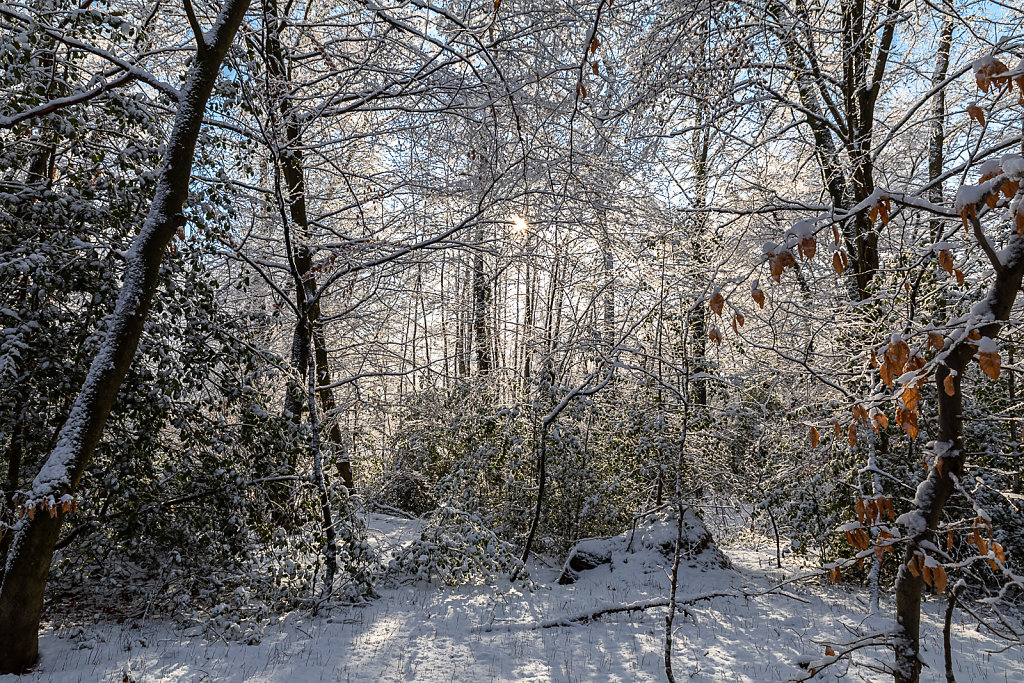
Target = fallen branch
(591,615)
(815,667)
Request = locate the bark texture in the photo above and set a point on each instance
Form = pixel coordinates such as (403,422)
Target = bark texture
(28,562)
(933,493)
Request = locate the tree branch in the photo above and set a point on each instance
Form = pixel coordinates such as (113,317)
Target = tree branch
(197,30)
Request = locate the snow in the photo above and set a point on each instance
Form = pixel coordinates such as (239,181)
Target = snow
(913,520)
(990,167)
(500,633)
(1012,165)
(982,62)
(941,449)
(970,196)
(987,345)
(981,310)
(800,230)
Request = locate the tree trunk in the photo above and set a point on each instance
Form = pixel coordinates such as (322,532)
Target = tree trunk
(481,301)
(934,491)
(24,579)
(295,181)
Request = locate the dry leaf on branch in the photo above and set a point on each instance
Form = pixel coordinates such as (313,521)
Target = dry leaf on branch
(717,302)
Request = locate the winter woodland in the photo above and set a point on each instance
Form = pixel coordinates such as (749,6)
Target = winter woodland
(511,340)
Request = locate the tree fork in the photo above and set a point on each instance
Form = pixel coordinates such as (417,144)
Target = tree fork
(292,169)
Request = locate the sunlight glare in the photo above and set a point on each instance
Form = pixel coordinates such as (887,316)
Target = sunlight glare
(519,226)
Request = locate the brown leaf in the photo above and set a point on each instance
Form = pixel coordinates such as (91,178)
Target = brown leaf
(990,73)
(976,113)
(939,579)
(837,263)
(852,435)
(814,437)
(883,211)
(907,419)
(910,397)
(886,373)
(898,353)
(758,296)
(990,363)
(946,261)
(936,341)
(808,247)
(966,213)
(717,302)
(949,385)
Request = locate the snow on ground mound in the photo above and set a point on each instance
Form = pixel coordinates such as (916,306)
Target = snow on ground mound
(651,542)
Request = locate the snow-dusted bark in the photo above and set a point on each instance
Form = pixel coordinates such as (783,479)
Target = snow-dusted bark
(48,499)
(936,489)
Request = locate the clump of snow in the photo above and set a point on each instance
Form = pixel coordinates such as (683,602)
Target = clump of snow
(982,62)
(913,521)
(969,196)
(982,310)
(990,168)
(941,449)
(987,345)
(801,229)
(1012,165)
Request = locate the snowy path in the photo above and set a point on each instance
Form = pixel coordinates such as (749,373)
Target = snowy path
(426,633)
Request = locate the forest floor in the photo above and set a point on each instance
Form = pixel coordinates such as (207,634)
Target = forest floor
(492,633)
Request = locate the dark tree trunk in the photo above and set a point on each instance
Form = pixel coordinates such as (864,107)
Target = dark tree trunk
(481,302)
(939,486)
(24,579)
(291,162)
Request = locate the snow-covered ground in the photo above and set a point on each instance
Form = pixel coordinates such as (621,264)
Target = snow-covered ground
(490,633)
